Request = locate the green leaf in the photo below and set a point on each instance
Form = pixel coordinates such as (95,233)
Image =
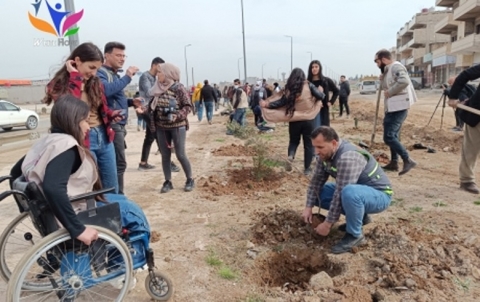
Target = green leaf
(72,31)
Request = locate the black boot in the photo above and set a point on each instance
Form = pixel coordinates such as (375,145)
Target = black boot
(408,164)
(347,243)
(391,166)
(189,185)
(366,220)
(167,186)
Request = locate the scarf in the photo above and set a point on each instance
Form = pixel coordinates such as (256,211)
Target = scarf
(172,75)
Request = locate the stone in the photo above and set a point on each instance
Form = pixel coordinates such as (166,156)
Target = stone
(410,283)
(321,281)
(312,299)
(476,273)
(250,245)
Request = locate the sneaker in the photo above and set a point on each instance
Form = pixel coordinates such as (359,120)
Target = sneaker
(290,158)
(167,186)
(174,168)
(307,171)
(347,243)
(189,185)
(145,166)
(209,122)
(366,220)
(470,187)
(407,166)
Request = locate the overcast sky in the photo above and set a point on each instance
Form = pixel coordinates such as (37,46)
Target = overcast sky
(343,34)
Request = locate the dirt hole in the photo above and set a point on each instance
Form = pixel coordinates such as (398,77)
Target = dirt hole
(292,268)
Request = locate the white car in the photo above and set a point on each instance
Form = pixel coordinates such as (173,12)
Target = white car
(368,87)
(13,116)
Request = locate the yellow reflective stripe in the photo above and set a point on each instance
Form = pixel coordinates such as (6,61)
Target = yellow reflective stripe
(389,192)
(334,169)
(374,170)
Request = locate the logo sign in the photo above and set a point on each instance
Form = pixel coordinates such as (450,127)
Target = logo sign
(61,23)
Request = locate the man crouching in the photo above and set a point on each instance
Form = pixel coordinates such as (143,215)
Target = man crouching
(361,187)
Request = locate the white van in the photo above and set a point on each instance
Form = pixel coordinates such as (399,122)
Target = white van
(368,87)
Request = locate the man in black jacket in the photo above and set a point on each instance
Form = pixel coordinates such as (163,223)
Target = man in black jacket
(208,96)
(471,138)
(343,95)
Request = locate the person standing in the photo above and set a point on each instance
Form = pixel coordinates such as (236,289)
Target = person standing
(145,83)
(240,103)
(170,108)
(471,137)
(316,77)
(80,74)
(343,95)
(399,95)
(208,96)
(299,94)
(114,91)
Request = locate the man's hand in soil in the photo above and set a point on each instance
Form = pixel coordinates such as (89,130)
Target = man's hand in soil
(307,215)
(323,228)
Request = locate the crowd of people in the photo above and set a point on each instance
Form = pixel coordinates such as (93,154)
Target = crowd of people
(85,150)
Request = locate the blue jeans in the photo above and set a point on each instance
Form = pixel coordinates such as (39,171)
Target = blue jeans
(133,217)
(199,108)
(392,124)
(103,153)
(141,121)
(317,121)
(239,116)
(209,106)
(357,200)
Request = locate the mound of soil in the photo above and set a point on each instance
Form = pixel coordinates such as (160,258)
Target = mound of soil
(284,226)
(242,182)
(234,150)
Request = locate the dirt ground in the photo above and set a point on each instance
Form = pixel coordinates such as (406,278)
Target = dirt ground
(236,238)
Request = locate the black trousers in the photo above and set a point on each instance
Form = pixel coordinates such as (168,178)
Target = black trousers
(344,103)
(120,146)
(297,131)
(325,116)
(150,137)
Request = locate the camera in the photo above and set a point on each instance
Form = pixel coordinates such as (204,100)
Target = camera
(170,110)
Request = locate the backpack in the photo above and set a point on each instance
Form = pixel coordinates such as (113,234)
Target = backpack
(108,73)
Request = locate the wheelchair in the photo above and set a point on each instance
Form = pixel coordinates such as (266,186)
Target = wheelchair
(64,268)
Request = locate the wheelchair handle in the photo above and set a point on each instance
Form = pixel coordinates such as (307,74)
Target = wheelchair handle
(90,194)
(5,194)
(3,178)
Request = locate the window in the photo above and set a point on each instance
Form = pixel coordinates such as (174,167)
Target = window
(2,108)
(368,82)
(10,107)
(477,29)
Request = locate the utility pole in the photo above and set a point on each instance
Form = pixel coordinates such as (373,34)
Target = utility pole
(262,69)
(186,66)
(291,52)
(193,78)
(238,64)
(73,40)
(244,47)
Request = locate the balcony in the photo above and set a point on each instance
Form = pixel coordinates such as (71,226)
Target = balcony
(445,3)
(442,51)
(467,45)
(415,23)
(447,25)
(419,39)
(409,61)
(404,31)
(468,10)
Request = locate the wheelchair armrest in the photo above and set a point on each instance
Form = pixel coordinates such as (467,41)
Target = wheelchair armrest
(3,178)
(90,195)
(5,194)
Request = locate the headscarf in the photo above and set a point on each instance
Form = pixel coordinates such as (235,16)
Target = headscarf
(172,75)
(258,85)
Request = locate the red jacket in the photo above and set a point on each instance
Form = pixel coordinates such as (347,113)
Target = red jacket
(75,86)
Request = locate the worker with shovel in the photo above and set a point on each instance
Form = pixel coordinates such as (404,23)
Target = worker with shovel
(361,187)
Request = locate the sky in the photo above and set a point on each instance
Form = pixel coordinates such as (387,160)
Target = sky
(343,34)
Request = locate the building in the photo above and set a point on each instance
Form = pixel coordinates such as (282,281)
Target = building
(462,25)
(417,42)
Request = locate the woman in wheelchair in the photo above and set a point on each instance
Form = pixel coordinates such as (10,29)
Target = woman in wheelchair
(62,166)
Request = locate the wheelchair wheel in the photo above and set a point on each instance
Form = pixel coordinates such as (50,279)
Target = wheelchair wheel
(75,271)
(18,237)
(159,286)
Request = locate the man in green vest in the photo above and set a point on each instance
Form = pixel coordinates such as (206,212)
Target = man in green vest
(361,187)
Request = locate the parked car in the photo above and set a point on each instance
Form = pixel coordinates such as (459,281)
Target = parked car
(368,87)
(13,116)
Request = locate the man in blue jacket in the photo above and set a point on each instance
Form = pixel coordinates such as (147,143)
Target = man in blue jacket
(116,99)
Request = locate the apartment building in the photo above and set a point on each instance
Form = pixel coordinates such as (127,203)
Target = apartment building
(416,43)
(462,25)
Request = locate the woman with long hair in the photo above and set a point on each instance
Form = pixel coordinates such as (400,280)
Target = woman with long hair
(62,166)
(298,91)
(169,108)
(78,78)
(316,77)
